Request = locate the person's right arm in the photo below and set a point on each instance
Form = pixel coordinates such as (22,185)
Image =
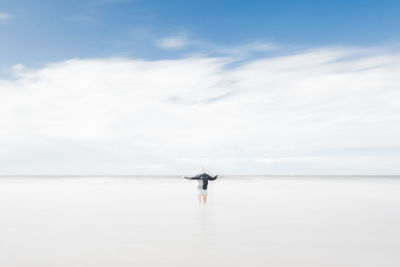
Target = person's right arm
(197,177)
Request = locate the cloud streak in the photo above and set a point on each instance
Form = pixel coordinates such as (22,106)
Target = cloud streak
(5,16)
(308,112)
(172,42)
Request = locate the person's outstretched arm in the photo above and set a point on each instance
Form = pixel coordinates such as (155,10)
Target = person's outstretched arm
(197,177)
(213,178)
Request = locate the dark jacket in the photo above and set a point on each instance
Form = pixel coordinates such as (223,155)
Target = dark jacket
(205,177)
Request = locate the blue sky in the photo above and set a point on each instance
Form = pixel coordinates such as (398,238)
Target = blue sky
(165,87)
(38,32)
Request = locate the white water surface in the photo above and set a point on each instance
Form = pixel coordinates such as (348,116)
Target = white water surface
(157,221)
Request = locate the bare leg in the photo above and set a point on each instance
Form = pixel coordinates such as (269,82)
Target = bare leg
(199,198)
(205,199)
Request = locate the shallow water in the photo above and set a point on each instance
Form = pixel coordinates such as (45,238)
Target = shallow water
(154,221)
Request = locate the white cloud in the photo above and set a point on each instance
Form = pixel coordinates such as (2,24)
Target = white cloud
(5,16)
(18,68)
(172,42)
(331,110)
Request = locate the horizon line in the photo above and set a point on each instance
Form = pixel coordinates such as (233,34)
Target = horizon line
(179,175)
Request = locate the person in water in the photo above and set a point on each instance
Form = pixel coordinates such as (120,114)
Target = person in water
(202,179)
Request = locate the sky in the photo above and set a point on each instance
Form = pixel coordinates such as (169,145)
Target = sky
(131,87)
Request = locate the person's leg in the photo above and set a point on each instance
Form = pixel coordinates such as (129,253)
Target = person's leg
(205,198)
(199,197)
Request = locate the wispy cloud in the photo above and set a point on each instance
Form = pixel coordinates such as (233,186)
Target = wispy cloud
(181,41)
(245,50)
(172,42)
(264,115)
(5,16)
